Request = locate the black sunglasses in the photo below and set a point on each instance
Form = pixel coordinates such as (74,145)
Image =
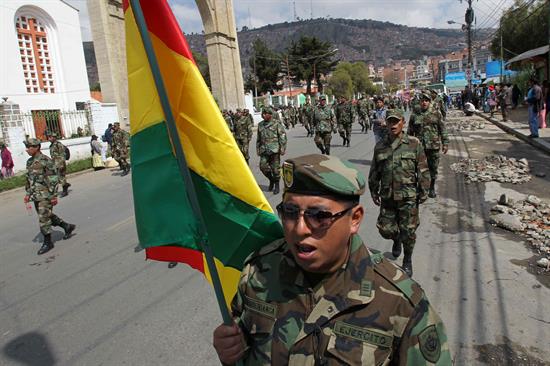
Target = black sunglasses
(314,218)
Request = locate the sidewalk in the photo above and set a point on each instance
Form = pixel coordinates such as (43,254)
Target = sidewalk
(518,126)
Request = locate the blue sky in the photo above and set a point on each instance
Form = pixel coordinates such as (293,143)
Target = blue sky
(256,13)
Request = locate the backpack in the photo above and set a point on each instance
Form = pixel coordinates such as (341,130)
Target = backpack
(67,153)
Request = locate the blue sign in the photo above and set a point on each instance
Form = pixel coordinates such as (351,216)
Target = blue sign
(455,80)
(493,68)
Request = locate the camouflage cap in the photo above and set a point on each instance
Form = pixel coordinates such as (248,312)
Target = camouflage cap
(52,134)
(425,94)
(32,142)
(267,110)
(116,124)
(323,175)
(321,97)
(394,113)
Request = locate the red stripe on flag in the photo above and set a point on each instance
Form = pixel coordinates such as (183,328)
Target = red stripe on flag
(163,24)
(176,254)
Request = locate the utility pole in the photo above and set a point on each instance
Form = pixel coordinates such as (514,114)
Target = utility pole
(469,20)
(311,8)
(255,77)
(548,26)
(501,54)
(288,76)
(294,5)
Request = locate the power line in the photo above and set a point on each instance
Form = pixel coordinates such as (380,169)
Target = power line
(524,19)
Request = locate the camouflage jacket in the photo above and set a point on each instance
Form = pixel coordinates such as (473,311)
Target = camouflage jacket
(344,113)
(271,138)
(228,120)
(323,119)
(41,177)
(366,313)
(428,126)
(399,170)
(363,108)
(242,128)
(120,140)
(306,112)
(57,153)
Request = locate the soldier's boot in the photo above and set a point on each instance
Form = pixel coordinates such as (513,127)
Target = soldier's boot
(344,141)
(65,191)
(125,170)
(47,245)
(396,248)
(327,150)
(271,183)
(407,263)
(276,187)
(322,149)
(69,228)
(431,192)
(347,138)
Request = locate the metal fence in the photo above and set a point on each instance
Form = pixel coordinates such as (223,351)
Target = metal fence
(67,124)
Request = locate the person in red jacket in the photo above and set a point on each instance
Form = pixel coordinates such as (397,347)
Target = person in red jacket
(7,161)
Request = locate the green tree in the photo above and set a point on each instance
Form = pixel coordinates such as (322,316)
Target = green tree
(524,27)
(358,73)
(202,64)
(340,83)
(309,59)
(267,64)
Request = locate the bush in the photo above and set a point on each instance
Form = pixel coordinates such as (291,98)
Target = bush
(20,180)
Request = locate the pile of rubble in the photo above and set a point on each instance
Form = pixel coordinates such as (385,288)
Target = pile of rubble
(496,168)
(529,217)
(453,126)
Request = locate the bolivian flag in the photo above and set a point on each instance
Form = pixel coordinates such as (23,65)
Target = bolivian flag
(238,217)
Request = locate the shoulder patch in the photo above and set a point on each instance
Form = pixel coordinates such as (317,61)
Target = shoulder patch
(430,346)
(393,274)
(269,248)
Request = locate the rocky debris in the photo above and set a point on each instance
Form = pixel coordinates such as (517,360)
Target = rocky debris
(496,168)
(455,125)
(544,263)
(530,217)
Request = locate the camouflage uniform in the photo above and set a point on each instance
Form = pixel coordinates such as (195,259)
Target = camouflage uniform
(119,149)
(57,153)
(41,189)
(428,126)
(307,115)
(399,177)
(368,312)
(344,118)
(363,114)
(228,120)
(243,134)
(323,122)
(270,145)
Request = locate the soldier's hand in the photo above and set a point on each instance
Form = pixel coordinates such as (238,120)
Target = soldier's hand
(26,199)
(376,200)
(445,149)
(54,201)
(229,343)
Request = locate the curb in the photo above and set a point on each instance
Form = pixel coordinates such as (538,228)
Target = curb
(502,126)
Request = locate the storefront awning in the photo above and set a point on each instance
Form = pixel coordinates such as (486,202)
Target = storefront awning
(529,54)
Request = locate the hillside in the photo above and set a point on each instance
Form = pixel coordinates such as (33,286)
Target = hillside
(356,40)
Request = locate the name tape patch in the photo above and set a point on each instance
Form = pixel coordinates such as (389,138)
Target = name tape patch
(363,334)
(260,307)
(366,288)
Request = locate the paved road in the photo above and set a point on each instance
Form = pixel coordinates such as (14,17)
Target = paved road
(94,300)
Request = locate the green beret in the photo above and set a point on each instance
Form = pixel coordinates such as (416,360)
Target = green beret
(394,113)
(323,175)
(32,142)
(267,110)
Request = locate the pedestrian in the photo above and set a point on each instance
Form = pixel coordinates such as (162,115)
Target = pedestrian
(427,125)
(544,104)
(108,135)
(491,98)
(516,93)
(58,153)
(534,101)
(502,92)
(41,189)
(119,148)
(270,146)
(379,121)
(7,161)
(399,180)
(344,119)
(243,133)
(319,296)
(97,149)
(324,125)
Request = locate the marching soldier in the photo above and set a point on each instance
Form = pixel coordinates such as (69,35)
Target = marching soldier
(323,122)
(41,189)
(426,123)
(270,145)
(344,119)
(319,296)
(119,148)
(363,113)
(398,183)
(57,153)
(228,119)
(243,133)
(307,115)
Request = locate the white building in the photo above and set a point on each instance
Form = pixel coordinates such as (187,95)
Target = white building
(42,67)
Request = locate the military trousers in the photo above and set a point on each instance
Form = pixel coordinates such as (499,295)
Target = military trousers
(432,155)
(399,220)
(344,131)
(61,174)
(46,217)
(322,140)
(243,146)
(270,166)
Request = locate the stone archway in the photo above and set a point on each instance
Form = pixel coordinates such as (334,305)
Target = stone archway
(224,62)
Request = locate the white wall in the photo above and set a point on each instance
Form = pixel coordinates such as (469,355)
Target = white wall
(66,54)
(101,114)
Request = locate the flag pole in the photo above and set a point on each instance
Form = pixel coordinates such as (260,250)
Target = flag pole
(180,156)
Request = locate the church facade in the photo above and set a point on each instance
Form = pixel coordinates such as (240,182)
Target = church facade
(42,68)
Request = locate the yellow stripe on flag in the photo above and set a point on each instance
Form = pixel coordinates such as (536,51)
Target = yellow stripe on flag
(229,278)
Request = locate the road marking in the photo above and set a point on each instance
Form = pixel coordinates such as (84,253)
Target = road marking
(120,224)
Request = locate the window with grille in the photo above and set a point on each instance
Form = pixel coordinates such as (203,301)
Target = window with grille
(35,55)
